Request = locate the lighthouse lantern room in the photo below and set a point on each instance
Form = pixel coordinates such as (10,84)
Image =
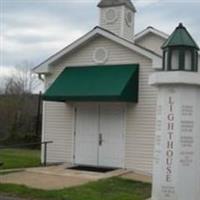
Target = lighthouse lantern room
(180,51)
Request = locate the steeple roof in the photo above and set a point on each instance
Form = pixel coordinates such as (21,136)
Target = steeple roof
(180,37)
(109,3)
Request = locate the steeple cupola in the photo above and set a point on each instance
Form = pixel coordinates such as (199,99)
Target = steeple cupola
(180,51)
(118,17)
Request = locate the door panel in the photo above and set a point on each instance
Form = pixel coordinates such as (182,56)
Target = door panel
(111,152)
(86,140)
(100,134)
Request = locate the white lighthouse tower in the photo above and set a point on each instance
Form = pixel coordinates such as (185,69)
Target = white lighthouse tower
(176,174)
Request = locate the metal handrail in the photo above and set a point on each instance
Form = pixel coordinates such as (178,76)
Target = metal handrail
(45,143)
(24,144)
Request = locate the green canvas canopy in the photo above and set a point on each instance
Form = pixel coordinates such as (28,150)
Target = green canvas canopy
(95,83)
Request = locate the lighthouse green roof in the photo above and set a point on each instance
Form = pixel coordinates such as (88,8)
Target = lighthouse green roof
(180,37)
(109,3)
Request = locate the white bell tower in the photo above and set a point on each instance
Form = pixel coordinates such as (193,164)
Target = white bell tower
(118,16)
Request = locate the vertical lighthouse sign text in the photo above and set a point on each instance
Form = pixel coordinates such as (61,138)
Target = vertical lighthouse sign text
(170,140)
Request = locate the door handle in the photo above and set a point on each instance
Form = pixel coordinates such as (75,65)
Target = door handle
(100,139)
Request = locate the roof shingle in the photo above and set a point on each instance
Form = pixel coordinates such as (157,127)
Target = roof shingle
(180,37)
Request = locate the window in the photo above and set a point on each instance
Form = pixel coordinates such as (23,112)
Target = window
(165,60)
(196,61)
(175,60)
(188,60)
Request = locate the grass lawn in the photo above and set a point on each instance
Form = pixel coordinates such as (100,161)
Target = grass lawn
(108,189)
(19,158)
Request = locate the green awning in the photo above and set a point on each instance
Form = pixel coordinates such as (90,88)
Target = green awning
(96,83)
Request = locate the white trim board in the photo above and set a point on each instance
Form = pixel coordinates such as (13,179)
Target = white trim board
(148,30)
(43,68)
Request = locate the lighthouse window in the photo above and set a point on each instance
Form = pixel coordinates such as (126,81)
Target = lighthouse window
(175,60)
(188,60)
(196,61)
(165,60)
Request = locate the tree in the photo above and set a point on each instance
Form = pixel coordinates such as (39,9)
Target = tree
(18,104)
(22,80)
(1,90)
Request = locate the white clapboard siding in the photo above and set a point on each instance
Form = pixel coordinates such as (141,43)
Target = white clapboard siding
(199,63)
(119,26)
(141,126)
(139,120)
(113,27)
(128,31)
(84,56)
(57,127)
(152,42)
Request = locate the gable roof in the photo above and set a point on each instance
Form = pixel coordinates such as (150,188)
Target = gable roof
(180,37)
(109,3)
(43,68)
(148,30)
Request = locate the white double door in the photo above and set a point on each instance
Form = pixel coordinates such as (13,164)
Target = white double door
(100,135)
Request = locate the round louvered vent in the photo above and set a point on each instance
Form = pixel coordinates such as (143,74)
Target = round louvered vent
(100,55)
(128,18)
(110,15)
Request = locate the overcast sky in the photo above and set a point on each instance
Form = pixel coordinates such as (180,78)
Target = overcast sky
(32,30)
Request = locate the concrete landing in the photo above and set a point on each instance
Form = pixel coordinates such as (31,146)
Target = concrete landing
(42,181)
(62,170)
(55,177)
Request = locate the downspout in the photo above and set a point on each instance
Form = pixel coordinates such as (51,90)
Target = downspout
(40,77)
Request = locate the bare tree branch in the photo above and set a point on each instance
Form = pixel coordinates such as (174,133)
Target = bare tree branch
(22,80)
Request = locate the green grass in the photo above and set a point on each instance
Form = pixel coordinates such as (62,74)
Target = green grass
(19,158)
(108,189)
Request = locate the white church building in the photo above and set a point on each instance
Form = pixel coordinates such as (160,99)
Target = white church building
(99,109)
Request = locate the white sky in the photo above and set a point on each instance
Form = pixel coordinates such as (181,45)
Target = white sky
(32,30)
